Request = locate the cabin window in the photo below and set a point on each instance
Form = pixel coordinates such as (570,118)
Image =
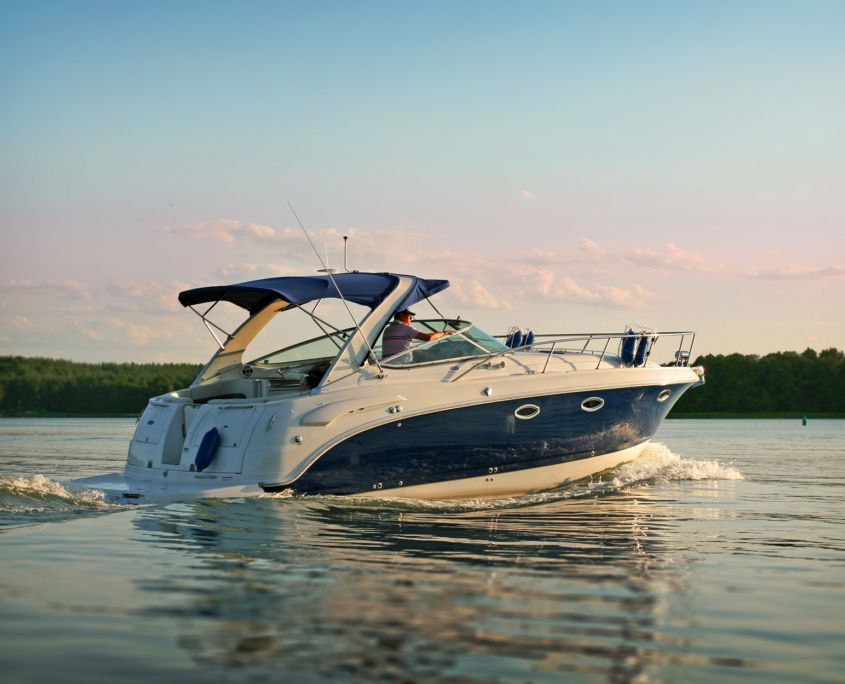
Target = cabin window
(527,411)
(592,404)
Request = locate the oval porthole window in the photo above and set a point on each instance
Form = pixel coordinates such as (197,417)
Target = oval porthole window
(664,395)
(527,411)
(592,404)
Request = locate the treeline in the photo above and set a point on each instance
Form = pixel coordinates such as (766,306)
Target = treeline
(34,386)
(785,382)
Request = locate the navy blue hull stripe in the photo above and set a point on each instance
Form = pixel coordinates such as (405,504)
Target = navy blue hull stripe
(467,442)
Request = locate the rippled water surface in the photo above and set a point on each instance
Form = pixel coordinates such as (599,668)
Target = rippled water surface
(718,555)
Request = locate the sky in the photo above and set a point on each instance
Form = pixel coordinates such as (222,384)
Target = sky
(568,166)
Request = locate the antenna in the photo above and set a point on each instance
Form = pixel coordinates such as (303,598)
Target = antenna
(345,244)
(330,273)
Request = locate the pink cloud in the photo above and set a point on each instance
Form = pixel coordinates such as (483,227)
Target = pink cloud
(281,270)
(588,252)
(91,333)
(67,288)
(473,293)
(19,324)
(262,232)
(538,256)
(671,258)
(800,273)
(477,277)
(592,249)
(549,286)
(127,331)
(238,271)
(230,231)
(149,296)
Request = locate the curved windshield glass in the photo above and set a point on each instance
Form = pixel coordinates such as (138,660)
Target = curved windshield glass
(466,341)
(325,347)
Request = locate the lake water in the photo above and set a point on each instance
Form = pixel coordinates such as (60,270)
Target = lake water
(717,556)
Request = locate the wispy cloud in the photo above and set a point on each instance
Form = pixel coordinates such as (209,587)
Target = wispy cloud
(672,258)
(499,281)
(19,324)
(131,332)
(65,288)
(538,256)
(549,286)
(237,270)
(587,252)
(800,273)
(483,278)
(149,296)
(592,249)
(281,270)
(92,333)
(230,231)
(473,293)
(528,196)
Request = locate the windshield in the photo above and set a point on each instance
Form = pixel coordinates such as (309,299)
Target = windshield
(467,341)
(325,347)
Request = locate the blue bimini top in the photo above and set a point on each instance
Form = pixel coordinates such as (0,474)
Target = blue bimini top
(367,289)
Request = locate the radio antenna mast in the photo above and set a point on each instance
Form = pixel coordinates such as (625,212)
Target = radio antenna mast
(339,292)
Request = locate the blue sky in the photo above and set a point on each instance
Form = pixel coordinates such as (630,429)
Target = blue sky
(567,165)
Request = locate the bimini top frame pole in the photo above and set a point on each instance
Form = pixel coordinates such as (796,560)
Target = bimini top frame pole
(211,325)
(328,271)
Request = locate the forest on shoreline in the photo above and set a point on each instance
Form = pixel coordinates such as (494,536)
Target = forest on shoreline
(738,385)
(54,387)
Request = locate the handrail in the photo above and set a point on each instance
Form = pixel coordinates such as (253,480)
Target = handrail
(549,357)
(586,338)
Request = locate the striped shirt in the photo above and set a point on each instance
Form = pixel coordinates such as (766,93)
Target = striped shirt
(397,338)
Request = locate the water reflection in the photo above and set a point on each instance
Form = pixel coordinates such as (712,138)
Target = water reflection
(385,592)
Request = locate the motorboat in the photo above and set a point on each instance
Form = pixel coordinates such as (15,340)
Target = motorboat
(465,414)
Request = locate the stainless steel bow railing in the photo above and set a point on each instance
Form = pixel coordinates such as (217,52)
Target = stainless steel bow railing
(682,354)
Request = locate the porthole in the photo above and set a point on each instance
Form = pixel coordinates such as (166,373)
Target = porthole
(527,411)
(664,395)
(592,404)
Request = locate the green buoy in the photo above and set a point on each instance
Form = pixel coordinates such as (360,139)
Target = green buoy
(804,420)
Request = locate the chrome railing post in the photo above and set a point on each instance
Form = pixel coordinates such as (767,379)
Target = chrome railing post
(549,357)
(603,352)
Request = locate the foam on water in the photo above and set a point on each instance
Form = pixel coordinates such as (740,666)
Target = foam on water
(40,494)
(659,464)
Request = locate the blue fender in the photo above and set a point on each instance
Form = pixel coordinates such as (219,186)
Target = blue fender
(629,344)
(642,350)
(207,449)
